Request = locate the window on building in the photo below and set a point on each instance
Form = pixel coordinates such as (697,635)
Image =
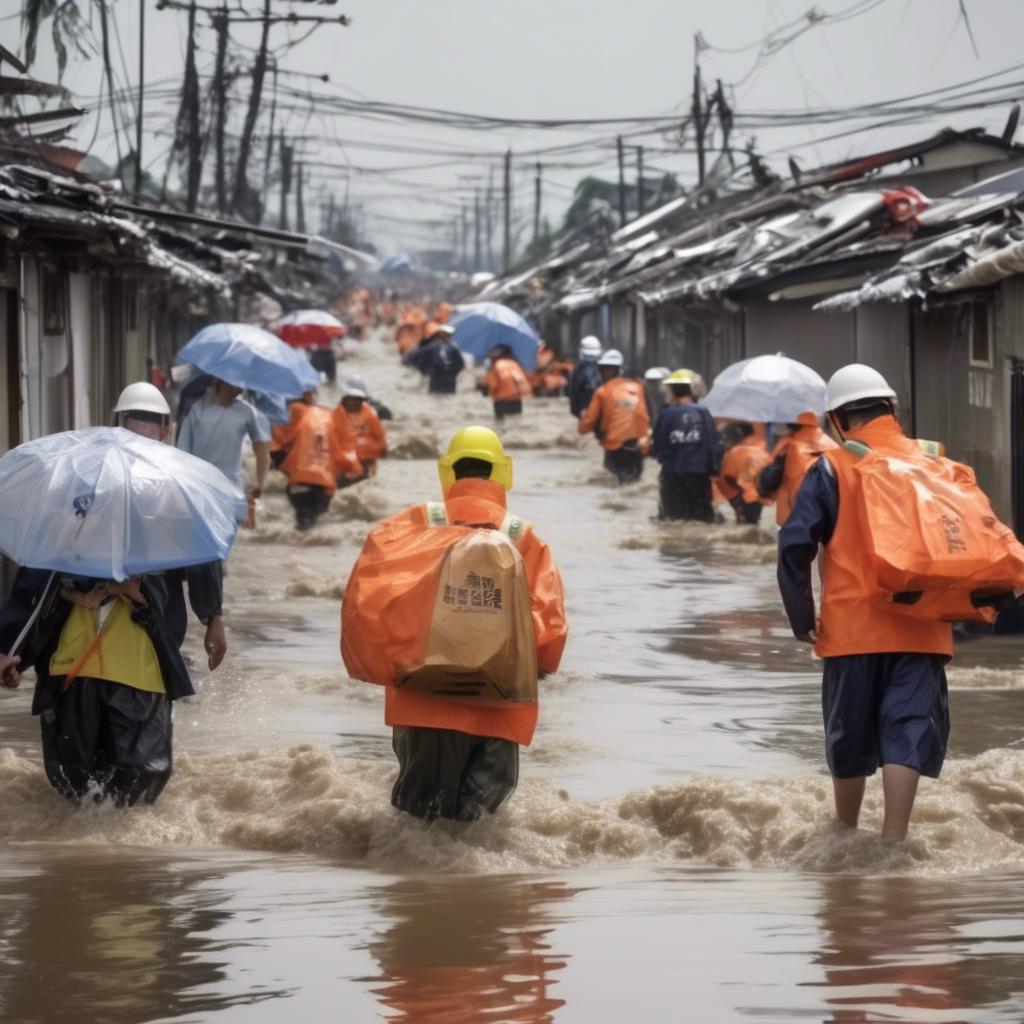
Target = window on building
(979,334)
(54,302)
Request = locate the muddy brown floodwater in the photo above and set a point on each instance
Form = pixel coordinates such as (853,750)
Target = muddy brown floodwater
(668,856)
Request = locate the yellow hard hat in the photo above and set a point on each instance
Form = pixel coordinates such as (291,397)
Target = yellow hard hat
(682,376)
(476,443)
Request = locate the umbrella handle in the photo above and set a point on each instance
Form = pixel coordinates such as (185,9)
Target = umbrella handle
(40,604)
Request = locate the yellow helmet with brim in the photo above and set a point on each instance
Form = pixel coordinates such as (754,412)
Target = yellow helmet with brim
(476,442)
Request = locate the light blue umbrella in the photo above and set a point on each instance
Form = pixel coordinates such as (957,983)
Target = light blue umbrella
(482,325)
(274,407)
(249,357)
(108,503)
(766,389)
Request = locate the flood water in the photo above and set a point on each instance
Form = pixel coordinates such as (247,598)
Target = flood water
(668,856)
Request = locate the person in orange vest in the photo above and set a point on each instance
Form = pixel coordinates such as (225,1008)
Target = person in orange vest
(371,442)
(506,383)
(793,455)
(744,458)
(618,417)
(311,460)
(884,695)
(457,757)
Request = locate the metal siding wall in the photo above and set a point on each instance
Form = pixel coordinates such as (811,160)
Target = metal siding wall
(883,341)
(80,292)
(1008,340)
(824,341)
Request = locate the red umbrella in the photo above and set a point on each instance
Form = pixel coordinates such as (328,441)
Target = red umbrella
(309,328)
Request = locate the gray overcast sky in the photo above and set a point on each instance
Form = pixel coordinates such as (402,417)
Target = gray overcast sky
(564,58)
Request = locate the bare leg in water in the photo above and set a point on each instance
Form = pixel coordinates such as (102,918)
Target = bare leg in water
(899,784)
(849,793)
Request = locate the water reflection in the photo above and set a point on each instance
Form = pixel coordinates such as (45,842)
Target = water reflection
(469,951)
(109,938)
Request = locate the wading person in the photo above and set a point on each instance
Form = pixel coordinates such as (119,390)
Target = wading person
(793,455)
(586,377)
(506,383)
(368,436)
(745,457)
(884,684)
(618,418)
(456,607)
(687,445)
(438,359)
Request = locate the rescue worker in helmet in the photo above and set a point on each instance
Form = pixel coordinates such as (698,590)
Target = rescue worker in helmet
(506,382)
(617,415)
(687,445)
(745,457)
(794,453)
(655,390)
(884,695)
(107,661)
(371,442)
(458,757)
(586,377)
(142,409)
(438,359)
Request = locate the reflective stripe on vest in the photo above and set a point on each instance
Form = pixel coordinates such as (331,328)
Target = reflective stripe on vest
(512,526)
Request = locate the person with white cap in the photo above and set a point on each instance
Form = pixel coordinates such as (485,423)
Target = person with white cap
(438,359)
(586,377)
(884,695)
(371,442)
(618,417)
(142,409)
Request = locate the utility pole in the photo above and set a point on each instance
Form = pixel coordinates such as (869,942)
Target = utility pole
(286,182)
(622,182)
(536,205)
(142,94)
(476,229)
(489,223)
(300,209)
(270,145)
(465,237)
(194,136)
(508,211)
(699,122)
(220,24)
(105,36)
(259,71)
(640,204)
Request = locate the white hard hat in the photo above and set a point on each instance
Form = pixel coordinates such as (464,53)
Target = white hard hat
(351,391)
(591,345)
(657,373)
(357,383)
(142,397)
(613,357)
(856,383)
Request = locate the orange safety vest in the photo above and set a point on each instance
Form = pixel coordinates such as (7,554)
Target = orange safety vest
(346,443)
(802,449)
(855,618)
(619,411)
(740,466)
(476,503)
(506,381)
(312,453)
(370,440)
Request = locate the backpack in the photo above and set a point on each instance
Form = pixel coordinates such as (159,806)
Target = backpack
(934,544)
(445,612)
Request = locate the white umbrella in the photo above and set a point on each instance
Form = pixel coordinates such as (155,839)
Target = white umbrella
(766,389)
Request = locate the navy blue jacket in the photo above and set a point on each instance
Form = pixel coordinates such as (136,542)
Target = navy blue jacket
(686,440)
(585,380)
(811,522)
(440,361)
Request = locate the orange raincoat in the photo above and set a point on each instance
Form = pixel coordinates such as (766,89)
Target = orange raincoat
(506,381)
(370,439)
(740,466)
(346,444)
(618,413)
(382,571)
(855,615)
(802,449)
(313,454)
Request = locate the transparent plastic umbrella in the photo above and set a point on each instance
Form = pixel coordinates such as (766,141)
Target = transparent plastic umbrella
(249,357)
(766,389)
(108,503)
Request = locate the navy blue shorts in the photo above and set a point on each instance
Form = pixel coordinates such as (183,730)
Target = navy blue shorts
(885,709)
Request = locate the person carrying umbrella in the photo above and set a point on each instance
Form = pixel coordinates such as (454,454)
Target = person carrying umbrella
(143,410)
(506,383)
(617,415)
(745,457)
(438,359)
(687,445)
(95,518)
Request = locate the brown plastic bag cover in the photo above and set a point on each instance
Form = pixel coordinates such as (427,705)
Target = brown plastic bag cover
(930,527)
(397,628)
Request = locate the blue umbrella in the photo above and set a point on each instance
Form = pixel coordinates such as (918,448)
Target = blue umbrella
(249,357)
(274,407)
(482,325)
(108,503)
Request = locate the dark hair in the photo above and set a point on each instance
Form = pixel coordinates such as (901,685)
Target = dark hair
(870,410)
(143,416)
(477,469)
(681,390)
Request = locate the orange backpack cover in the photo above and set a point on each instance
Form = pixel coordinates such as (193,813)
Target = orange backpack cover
(444,611)
(930,529)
